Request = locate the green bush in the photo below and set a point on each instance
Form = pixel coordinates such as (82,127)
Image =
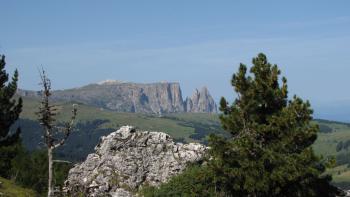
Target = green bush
(194,181)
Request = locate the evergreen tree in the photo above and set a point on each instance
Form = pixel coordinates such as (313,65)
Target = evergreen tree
(9,112)
(269,153)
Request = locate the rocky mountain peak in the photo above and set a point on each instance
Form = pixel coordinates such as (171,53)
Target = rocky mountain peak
(201,101)
(154,98)
(127,159)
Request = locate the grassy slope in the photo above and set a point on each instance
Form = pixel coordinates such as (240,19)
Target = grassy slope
(86,113)
(326,142)
(177,126)
(326,146)
(9,189)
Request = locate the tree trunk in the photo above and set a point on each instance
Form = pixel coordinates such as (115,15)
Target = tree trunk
(50,189)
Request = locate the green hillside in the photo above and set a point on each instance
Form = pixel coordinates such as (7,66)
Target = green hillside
(186,127)
(332,134)
(9,189)
(94,123)
(115,120)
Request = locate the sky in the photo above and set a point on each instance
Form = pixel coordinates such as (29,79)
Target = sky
(195,43)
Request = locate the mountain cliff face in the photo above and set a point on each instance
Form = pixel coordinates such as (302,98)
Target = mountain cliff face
(154,98)
(127,159)
(201,101)
(128,97)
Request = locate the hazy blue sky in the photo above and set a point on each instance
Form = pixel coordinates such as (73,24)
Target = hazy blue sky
(195,43)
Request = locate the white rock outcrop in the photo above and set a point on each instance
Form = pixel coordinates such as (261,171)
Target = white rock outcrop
(127,159)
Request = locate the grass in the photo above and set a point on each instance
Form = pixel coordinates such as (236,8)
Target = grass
(326,142)
(340,176)
(325,145)
(116,119)
(9,189)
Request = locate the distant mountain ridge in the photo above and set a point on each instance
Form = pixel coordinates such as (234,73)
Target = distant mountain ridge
(155,98)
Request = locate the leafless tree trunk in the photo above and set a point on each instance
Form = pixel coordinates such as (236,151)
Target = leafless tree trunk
(46,114)
(50,187)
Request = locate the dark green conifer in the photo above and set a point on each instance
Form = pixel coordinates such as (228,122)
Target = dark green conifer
(10,109)
(270,151)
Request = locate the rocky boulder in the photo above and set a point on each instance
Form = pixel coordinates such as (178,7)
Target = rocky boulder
(127,159)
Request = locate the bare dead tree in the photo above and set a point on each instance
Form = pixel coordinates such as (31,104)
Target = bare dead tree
(52,134)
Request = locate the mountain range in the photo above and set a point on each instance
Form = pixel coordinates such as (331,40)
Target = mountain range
(154,98)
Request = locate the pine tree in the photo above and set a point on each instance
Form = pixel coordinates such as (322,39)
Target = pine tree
(269,153)
(10,109)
